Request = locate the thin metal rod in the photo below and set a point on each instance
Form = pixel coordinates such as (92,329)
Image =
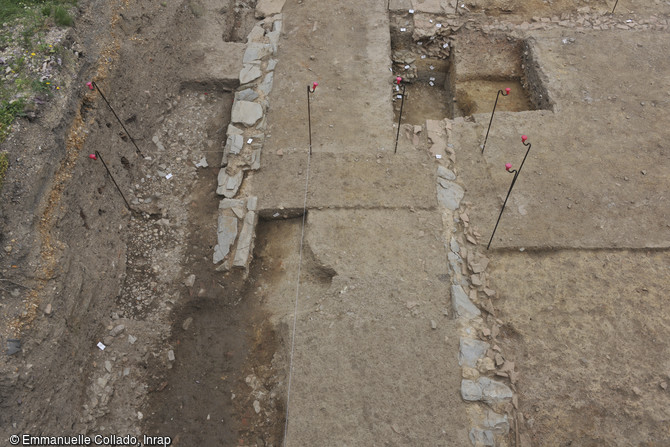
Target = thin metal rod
(516,175)
(615,3)
(97,154)
(117,118)
(491,120)
(309,118)
(402,103)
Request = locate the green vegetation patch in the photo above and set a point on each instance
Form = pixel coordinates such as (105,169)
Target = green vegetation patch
(31,54)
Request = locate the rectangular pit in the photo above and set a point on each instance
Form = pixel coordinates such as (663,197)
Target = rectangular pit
(458,75)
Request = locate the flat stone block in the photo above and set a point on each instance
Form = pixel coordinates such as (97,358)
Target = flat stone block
(244,243)
(266,8)
(249,72)
(229,184)
(246,112)
(226,234)
(462,304)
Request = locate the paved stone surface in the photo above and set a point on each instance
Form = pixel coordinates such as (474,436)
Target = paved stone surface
(246,112)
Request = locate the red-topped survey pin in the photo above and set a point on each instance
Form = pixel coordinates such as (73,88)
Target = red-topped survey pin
(314,86)
(92,157)
(398,80)
(89,85)
(500,92)
(508,168)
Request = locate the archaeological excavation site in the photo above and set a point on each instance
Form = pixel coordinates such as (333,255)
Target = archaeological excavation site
(303,223)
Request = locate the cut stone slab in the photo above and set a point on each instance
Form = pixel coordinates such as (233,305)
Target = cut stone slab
(274,41)
(225,204)
(266,8)
(255,52)
(215,66)
(449,194)
(232,130)
(266,85)
(470,390)
(471,350)
(234,144)
(252,203)
(256,34)
(493,391)
(229,184)
(246,95)
(226,234)
(247,113)
(245,242)
(462,305)
(272,63)
(249,72)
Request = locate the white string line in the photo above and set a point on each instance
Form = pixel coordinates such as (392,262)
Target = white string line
(295,308)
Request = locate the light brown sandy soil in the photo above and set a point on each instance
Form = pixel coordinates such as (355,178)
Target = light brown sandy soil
(585,324)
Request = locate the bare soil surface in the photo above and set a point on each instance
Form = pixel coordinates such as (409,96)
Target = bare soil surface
(344,321)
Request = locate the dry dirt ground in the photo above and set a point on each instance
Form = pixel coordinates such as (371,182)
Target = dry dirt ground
(344,321)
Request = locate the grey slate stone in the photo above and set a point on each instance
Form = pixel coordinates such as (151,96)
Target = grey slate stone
(453,245)
(497,423)
(244,243)
(252,203)
(256,160)
(249,73)
(266,8)
(234,144)
(232,130)
(449,194)
(256,51)
(272,63)
(470,390)
(494,391)
(471,350)
(229,185)
(225,204)
(226,234)
(462,305)
(266,85)
(246,95)
(246,112)
(256,34)
(274,41)
(482,438)
(445,173)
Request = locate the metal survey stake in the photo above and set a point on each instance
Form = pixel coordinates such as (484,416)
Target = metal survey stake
(398,80)
(112,177)
(310,90)
(505,93)
(615,3)
(93,84)
(508,168)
